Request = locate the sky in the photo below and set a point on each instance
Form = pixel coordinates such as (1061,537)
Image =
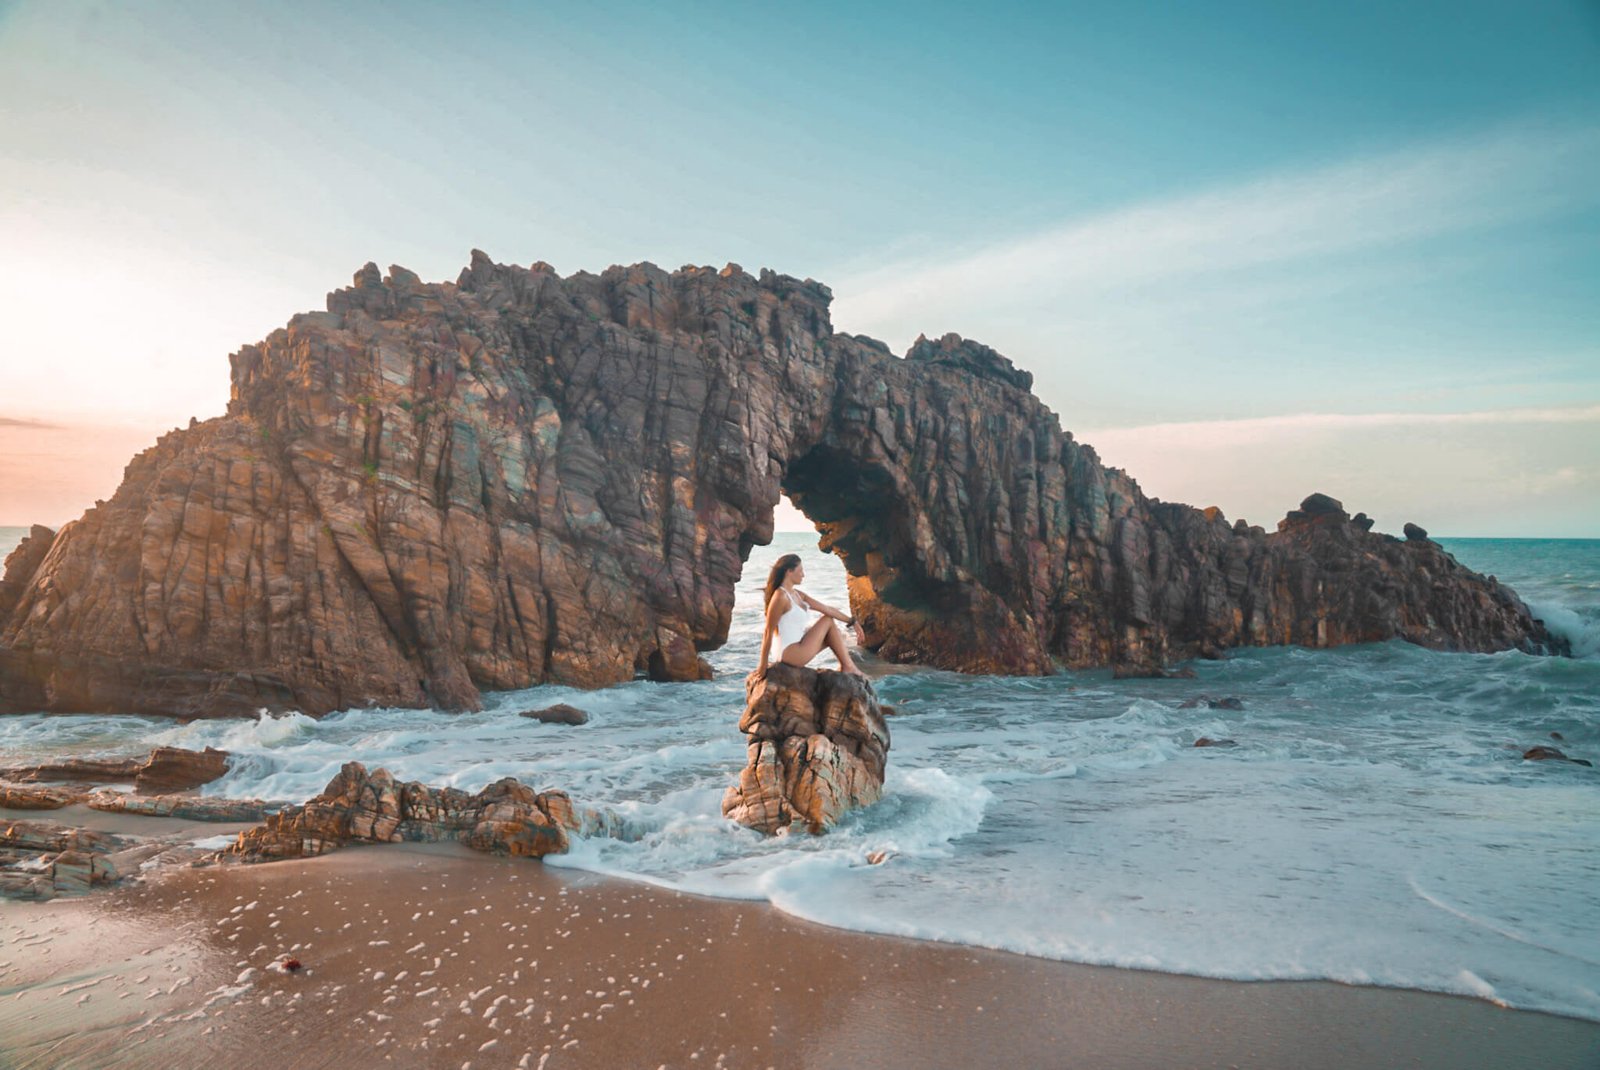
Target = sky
(1248,250)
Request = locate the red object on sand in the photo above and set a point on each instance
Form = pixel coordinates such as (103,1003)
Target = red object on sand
(291,964)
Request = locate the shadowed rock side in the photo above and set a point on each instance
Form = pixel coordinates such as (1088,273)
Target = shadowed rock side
(430,490)
(818,747)
(507,817)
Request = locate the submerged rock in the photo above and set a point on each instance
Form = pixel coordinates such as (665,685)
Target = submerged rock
(560,713)
(434,489)
(1206,702)
(1207,741)
(1543,753)
(1138,671)
(818,747)
(507,817)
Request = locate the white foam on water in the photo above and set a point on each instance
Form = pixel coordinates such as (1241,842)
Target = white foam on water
(1374,824)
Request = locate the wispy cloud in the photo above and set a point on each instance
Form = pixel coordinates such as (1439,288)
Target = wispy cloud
(35,425)
(1236,432)
(1511,174)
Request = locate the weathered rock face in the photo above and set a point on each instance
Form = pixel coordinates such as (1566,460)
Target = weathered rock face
(430,490)
(166,770)
(818,745)
(507,817)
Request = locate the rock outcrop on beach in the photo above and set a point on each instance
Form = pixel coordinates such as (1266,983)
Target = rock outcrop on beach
(817,748)
(434,489)
(43,859)
(164,771)
(507,817)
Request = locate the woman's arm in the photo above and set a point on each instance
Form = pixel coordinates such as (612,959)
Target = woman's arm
(824,608)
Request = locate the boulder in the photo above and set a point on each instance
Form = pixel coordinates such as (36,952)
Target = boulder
(507,817)
(1415,533)
(817,748)
(170,769)
(560,713)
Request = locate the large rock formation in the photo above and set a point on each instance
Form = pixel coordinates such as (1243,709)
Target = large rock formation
(430,490)
(818,746)
(507,817)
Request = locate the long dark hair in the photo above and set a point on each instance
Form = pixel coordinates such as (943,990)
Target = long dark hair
(780,569)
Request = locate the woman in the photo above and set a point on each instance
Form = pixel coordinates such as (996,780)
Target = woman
(792,616)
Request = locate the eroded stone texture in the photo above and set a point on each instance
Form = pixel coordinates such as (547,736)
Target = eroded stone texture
(507,817)
(430,490)
(165,770)
(818,746)
(182,807)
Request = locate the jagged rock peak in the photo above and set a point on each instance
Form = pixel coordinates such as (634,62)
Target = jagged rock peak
(975,357)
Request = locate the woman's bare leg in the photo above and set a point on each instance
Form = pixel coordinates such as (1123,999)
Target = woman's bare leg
(822,633)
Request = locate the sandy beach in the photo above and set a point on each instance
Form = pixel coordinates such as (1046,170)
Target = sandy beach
(437,957)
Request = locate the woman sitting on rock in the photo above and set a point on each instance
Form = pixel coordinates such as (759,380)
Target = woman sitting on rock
(793,615)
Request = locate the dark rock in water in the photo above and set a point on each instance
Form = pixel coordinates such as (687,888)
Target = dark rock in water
(170,769)
(1550,754)
(1151,672)
(507,817)
(1209,703)
(1415,533)
(818,747)
(560,713)
(1558,737)
(1207,741)
(430,490)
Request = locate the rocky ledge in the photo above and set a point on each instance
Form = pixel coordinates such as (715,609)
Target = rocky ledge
(818,746)
(54,784)
(507,817)
(433,489)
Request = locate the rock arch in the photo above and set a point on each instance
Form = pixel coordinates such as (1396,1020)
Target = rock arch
(432,490)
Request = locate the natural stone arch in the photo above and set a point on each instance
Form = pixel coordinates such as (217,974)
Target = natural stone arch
(433,490)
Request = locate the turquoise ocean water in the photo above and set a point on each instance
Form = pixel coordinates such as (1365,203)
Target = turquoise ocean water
(1375,823)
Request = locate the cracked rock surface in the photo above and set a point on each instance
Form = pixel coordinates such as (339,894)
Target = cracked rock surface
(430,490)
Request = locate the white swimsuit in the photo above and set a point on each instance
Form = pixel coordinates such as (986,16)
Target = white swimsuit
(793,624)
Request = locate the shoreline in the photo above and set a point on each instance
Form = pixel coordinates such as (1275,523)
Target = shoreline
(435,956)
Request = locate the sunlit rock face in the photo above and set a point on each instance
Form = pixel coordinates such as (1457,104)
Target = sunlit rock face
(817,747)
(361,807)
(435,489)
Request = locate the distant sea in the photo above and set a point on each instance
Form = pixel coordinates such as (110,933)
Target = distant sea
(1374,824)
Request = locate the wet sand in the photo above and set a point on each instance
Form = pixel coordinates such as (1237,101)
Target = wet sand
(437,957)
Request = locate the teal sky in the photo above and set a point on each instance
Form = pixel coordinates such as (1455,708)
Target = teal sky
(1249,250)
